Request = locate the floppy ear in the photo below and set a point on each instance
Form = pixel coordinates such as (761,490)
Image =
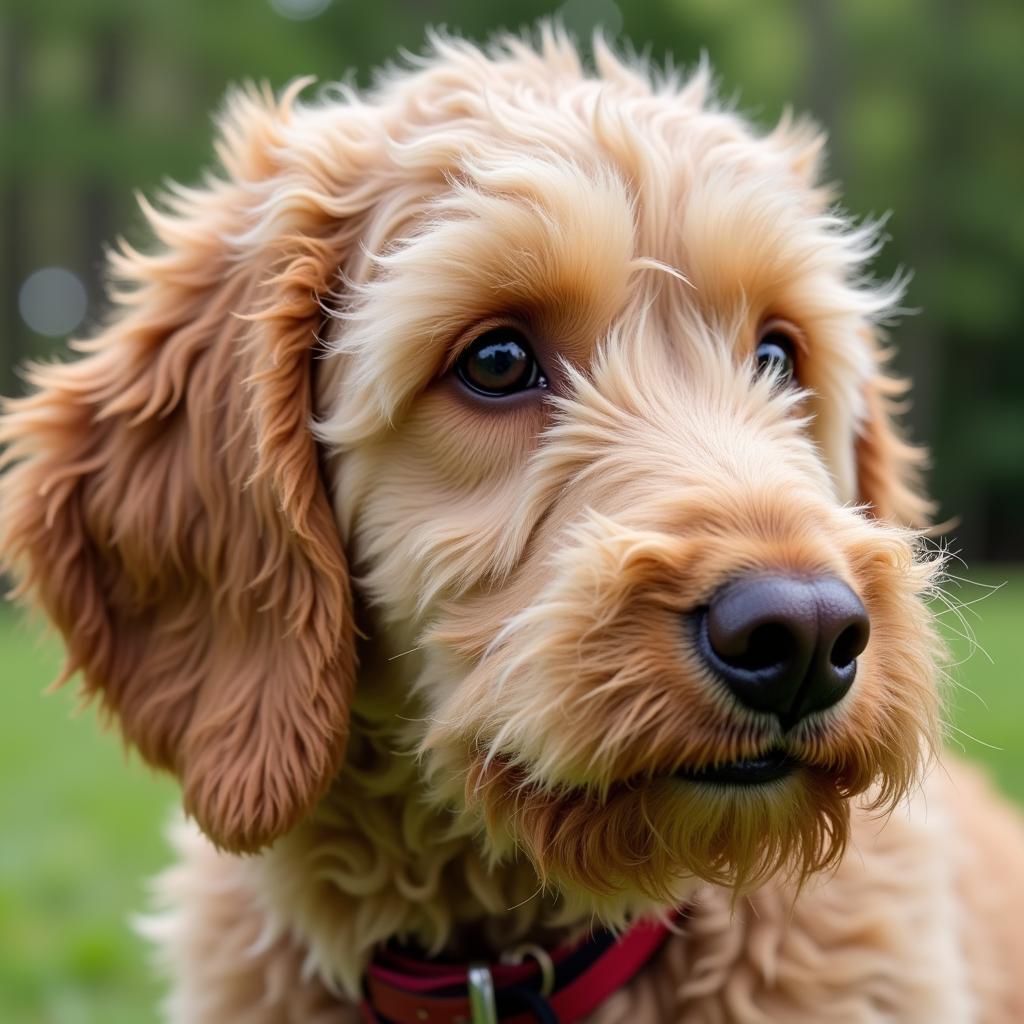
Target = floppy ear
(164,501)
(890,470)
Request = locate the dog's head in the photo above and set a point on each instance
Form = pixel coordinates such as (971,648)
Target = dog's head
(584,377)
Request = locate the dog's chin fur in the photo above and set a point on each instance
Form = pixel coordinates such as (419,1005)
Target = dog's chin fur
(646,843)
(275,401)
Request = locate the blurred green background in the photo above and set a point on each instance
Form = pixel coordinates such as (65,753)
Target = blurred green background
(924,104)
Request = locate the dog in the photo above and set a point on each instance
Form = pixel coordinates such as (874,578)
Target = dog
(583,380)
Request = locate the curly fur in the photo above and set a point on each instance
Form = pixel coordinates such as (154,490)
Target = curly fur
(272,402)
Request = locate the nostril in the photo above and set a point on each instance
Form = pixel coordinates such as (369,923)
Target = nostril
(769,645)
(763,623)
(848,645)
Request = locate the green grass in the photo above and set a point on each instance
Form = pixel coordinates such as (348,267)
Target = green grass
(985,707)
(83,825)
(82,832)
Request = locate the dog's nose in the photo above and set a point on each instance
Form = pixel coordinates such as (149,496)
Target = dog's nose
(786,645)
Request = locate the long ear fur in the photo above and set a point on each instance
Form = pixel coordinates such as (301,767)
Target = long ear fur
(890,470)
(164,501)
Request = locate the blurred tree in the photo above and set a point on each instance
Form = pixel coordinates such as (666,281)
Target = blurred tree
(12,203)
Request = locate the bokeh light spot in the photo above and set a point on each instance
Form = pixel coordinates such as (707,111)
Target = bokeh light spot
(300,10)
(52,301)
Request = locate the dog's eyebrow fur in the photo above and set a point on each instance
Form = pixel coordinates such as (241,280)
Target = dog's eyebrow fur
(740,217)
(537,238)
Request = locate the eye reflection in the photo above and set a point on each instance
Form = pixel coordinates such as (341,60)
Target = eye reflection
(776,355)
(500,362)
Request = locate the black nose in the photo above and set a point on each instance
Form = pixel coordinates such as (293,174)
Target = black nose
(786,645)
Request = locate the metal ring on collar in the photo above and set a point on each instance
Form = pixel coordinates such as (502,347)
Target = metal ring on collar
(544,962)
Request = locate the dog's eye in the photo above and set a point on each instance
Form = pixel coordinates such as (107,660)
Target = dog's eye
(499,362)
(776,355)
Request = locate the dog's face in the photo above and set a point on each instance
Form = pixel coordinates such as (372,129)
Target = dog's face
(599,425)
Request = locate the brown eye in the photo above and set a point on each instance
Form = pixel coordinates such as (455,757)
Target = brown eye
(776,354)
(500,362)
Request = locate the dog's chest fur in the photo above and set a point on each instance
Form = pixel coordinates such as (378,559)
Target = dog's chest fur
(883,939)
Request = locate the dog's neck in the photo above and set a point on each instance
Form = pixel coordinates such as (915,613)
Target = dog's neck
(386,856)
(380,859)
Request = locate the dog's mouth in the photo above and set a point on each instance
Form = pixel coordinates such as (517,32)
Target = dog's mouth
(770,766)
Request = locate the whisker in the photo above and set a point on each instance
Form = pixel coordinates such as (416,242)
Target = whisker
(412,650)
(531,897)
(973,739)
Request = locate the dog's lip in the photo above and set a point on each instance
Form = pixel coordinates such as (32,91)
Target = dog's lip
(769,766)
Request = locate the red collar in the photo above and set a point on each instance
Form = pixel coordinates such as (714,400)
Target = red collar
(556,987)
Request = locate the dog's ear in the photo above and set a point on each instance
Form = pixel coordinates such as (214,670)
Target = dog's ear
(890,470)
(163,499)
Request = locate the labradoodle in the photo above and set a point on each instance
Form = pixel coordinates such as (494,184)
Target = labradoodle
(485,498)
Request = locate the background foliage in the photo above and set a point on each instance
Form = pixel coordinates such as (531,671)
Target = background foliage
(923,100)
(924,103)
